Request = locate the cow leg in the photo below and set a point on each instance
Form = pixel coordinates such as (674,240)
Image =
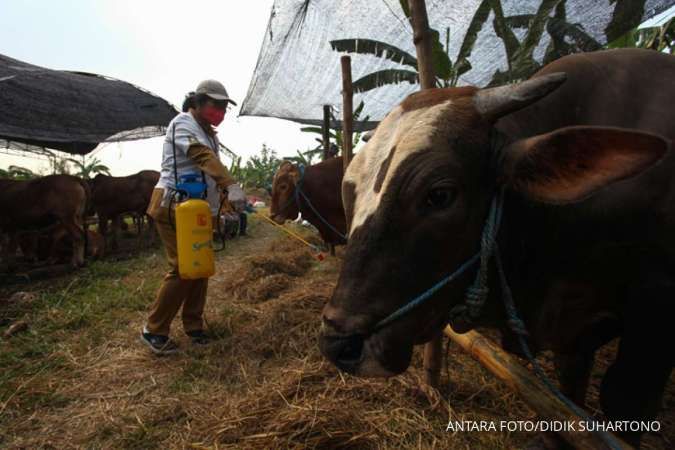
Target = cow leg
(151,231)
(9,247)
(332,249)
(632,388)
(103,228)
(28,243)
(115,231)
(75,230)
(138,221)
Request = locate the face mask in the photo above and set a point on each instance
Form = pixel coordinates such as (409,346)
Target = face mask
(213,115)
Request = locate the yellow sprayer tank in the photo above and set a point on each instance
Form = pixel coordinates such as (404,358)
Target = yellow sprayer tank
(194,238)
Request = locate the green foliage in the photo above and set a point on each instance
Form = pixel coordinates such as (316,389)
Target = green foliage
(654,38)
(17,173)
(305,158)
(259,169)
(88,169)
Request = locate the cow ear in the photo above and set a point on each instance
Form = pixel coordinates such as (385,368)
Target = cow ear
(570,164)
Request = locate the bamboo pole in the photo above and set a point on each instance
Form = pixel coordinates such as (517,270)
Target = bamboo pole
(326,131)
(528,387)
(347,110)
(425,68)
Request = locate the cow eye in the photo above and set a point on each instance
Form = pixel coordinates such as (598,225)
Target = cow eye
(441,197)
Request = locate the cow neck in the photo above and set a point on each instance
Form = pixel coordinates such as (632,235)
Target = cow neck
(326,229)
(304,186)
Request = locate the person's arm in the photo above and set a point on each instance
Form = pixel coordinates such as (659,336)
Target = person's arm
(211,165)
(205,158)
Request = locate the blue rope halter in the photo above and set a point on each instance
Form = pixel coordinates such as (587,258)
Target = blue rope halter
(476,296)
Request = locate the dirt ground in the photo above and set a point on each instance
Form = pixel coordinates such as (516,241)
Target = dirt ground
(79,378)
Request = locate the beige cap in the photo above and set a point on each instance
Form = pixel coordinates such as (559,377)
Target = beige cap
(215,90)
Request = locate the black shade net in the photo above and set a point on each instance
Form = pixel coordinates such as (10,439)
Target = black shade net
(73,111)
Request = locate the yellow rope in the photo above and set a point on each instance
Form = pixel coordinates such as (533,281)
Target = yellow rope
(292,234)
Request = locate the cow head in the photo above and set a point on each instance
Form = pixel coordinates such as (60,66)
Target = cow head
(416,198)
(283,206)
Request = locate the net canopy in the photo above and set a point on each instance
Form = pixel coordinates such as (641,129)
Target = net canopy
(73,111)
(477,42)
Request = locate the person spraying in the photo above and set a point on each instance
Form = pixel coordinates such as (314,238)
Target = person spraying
(191,169)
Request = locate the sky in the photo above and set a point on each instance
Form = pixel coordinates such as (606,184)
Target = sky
(166,47)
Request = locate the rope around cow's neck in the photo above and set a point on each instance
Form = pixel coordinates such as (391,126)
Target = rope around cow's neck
(298,192)
(476,297)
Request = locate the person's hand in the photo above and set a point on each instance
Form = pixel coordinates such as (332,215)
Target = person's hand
(236,197)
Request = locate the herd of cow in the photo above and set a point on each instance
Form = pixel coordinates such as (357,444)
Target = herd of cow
(45,218)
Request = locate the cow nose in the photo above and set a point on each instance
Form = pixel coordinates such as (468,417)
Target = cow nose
(343,351)
(339,342)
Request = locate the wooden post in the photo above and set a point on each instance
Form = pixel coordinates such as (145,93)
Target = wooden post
(347,110)
(528,386)
(422,40)
(425,68)
(326,131)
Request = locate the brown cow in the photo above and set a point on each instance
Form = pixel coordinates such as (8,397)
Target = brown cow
(41,203)
(587,237)
(321,184)
(114,196)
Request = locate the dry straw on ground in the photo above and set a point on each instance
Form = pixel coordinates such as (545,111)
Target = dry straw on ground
(261,385)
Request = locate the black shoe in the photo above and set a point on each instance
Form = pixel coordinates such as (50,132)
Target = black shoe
(199,337)
(159,345)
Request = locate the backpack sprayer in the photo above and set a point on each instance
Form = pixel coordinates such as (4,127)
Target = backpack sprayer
(194,229)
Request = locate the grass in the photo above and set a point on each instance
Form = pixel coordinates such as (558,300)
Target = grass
(68,317)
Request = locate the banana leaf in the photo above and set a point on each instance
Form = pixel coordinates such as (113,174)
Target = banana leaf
(384,77)
(375,48)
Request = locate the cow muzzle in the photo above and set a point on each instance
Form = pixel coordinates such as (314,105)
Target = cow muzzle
(277,219)
(346,352)
(356,353)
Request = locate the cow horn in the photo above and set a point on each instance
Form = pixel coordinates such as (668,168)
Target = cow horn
(493,103)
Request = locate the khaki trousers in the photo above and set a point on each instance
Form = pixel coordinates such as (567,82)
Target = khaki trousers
(174,291)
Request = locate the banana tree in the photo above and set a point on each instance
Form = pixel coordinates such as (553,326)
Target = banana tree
(446,73)
(88,169)
(565,38)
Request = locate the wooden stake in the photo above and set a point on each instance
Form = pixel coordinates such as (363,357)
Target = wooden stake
(347,110)
(528,387)
(425,67)
(326,132)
